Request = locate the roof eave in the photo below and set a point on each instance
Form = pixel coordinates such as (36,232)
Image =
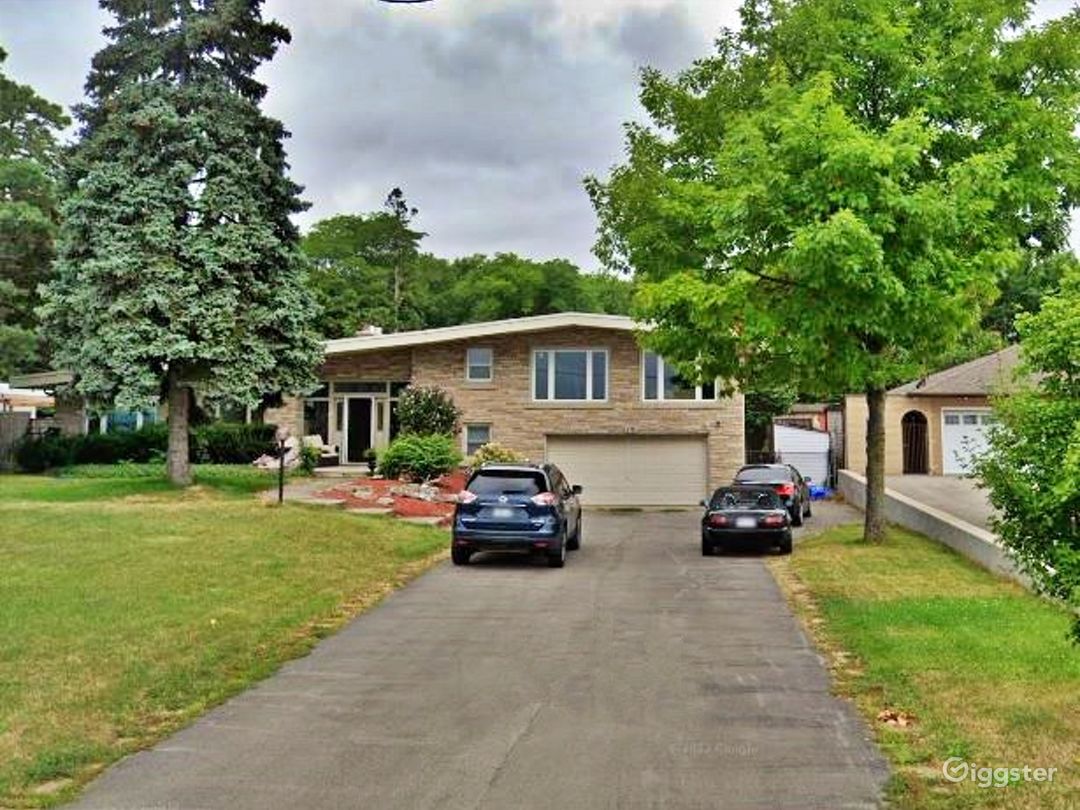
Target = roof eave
(450,334)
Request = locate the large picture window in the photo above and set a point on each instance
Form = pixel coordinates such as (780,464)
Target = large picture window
(661,382)
(570,375)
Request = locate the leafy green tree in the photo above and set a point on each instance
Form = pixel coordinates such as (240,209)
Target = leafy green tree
(1023,289)
(179,267)
(508,286)
(360,269)
(28,165)
(831,199)
(606,292)
(1033,467)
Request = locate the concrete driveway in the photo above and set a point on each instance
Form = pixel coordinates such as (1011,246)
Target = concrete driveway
(959,497)
(640,676)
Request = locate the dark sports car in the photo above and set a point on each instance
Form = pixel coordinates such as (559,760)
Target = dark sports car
(745,513)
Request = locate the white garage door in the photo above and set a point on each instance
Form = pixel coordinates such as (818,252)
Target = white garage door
(963,435)
(633,470)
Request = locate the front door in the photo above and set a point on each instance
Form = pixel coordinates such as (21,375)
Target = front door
(357,428)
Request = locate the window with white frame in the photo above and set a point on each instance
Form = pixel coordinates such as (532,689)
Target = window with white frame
(570,375)
(479,364)
(661,382)
(476,436)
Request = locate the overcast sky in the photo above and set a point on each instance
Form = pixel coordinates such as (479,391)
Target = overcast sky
(488,113)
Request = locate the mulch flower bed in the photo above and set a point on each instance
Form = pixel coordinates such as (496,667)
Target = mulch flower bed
(403,498)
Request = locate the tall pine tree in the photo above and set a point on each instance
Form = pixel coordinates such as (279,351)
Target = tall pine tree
(179,269)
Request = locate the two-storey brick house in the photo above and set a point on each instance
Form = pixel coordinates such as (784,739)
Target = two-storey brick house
(572,388)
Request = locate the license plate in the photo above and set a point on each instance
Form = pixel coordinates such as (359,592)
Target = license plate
(745,523)
(502,513)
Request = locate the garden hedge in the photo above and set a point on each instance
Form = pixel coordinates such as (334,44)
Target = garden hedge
(215,443)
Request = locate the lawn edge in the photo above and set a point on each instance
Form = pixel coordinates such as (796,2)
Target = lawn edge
(296,646)
(843,666)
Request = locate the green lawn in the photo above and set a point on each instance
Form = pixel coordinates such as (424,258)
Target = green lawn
(130,607)
(984,667)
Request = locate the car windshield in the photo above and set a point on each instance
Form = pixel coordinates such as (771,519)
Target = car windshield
(507,482)
(764,474)
(739,498)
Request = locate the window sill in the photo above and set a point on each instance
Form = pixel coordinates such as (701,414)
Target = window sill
(568,404)
(480,385)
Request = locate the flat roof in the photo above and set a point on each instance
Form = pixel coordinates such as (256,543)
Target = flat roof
(469,331)
(42,379)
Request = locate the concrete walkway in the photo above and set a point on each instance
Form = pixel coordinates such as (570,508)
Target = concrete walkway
(959,497)
(642,675)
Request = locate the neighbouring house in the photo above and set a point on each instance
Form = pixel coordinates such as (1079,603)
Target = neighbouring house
(572,388)
(935,425)
(32,401)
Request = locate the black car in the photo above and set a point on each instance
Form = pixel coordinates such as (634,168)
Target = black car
(517,507)
(744,513)
(793,489)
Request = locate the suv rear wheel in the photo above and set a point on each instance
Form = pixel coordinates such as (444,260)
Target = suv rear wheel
(558,559)
(574,541)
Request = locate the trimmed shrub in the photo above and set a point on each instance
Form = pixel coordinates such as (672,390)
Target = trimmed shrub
(419,457)
(309,458)
(428,411)
(218,443)
(492,452)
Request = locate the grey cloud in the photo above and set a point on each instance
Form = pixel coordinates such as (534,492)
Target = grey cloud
(489,124)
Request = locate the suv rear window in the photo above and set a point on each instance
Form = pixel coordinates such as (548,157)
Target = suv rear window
(764,474)
(508,482)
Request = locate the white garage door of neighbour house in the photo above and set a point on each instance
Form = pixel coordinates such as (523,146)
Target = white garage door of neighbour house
(633,470)
(964,434)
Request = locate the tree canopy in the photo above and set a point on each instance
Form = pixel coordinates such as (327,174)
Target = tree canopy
(179,269)
(358,261)
(28,217)
(831,200)
(1033,467)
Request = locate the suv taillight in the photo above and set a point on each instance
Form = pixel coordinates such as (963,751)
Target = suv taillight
(785,489)
(544,499)
(466,496)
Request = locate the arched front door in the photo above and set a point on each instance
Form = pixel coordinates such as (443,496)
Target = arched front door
(916,444)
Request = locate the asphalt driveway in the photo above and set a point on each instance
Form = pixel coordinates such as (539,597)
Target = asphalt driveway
(640,676)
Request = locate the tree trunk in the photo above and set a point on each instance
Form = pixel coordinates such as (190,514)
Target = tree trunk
(874,528)
(397,297)
(179,400)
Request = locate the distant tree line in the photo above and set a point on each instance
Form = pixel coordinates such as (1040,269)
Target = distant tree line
(369,269)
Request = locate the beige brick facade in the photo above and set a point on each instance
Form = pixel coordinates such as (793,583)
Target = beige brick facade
(516,421)
(896,405)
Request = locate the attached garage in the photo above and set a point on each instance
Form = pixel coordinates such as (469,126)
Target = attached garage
(963,436)
(634,470)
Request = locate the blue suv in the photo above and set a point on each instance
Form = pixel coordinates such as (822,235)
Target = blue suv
(529,508)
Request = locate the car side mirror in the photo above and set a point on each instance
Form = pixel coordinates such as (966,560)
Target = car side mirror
(576,489)
(704,503)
